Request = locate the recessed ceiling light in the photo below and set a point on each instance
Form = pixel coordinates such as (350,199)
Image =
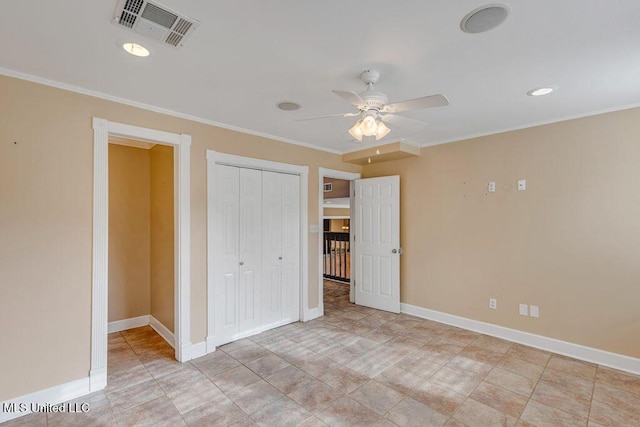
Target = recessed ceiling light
(288,106)
(484,18)
(540,91)
(136,49)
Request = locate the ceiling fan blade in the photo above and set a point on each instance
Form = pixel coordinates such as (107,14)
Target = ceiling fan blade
(351,97)
(404,122)
(416,104)
(328,116)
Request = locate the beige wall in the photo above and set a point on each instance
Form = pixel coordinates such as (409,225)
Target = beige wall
(45,223)
(129,233)
(162,253)
(568,244)
(336,211)
(339,188)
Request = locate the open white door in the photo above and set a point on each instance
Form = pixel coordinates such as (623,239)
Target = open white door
(377,242)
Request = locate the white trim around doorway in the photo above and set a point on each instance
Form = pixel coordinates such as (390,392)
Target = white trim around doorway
(322,174)
(213,158)
(102,130)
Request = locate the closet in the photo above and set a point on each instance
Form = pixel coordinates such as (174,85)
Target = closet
(255,226)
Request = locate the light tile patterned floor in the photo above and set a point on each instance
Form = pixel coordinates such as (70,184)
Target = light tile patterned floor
(355,366)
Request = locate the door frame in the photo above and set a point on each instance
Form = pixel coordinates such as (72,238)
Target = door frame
(214,158)
(335,174)
(102,130)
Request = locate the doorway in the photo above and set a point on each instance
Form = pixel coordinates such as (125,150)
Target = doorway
(333,256)
(102,131)
(374,240)
(141,237)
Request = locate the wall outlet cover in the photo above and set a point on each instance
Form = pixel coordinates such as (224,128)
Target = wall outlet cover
(524,310)
(493,303)
(534,311)
(491,187)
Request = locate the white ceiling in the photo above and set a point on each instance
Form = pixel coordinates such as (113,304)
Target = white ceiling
(246,56)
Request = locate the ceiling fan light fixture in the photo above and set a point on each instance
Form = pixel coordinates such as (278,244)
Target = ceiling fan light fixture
(382,130)
(356,131)
(369,126)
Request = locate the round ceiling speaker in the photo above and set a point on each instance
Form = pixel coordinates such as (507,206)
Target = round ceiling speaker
(288,106)
(484,18)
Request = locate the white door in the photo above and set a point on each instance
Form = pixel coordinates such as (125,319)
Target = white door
(250,250)
(237,252)
(281,248)
(272,247)
(290,263)
(225,256)
(377,243)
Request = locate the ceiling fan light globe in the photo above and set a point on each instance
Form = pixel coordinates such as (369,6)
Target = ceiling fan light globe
(369,126)
(356,130)
(382,130)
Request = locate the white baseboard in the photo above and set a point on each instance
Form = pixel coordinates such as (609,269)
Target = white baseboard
(162,330)
(52,396)
(577,351)
(97,379)
(124,324)
(194,351)
(136,322)
(311,313)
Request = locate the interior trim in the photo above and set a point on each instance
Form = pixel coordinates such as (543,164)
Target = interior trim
(102,130)
(577,351)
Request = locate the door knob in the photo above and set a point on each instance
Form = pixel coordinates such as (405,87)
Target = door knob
(279,257)
(241,262)
(394,251)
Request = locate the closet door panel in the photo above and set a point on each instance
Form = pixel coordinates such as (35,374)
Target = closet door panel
(272,247)
(225,232)
(250,249)
(290,247)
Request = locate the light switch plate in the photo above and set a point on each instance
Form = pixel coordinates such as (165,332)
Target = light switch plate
(491,187)
(522,184)
(534,311)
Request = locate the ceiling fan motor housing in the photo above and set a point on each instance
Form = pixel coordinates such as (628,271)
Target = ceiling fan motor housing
(374,100)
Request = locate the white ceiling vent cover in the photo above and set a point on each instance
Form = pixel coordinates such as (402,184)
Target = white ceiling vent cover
(155,21)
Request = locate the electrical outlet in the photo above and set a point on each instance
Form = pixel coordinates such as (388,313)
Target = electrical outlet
(522,184)
(493,303)
(534,311)
(524,310)
(491,187)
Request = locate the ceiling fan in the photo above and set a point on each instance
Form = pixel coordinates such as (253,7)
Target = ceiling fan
(375,111)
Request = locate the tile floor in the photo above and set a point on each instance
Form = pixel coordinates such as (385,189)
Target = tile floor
(355,366)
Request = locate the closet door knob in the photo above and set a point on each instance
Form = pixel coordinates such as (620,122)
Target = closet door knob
(241,262)
(279,257)
(394,251)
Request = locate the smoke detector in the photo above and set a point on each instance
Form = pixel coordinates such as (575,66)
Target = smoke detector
(154,21)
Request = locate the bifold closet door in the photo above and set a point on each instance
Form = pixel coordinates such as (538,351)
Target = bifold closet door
(237,252)
(281,248)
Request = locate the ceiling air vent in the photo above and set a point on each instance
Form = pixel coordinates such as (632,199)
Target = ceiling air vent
(155,21)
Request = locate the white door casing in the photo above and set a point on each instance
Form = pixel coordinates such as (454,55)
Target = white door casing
(102,130)
(377,243)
